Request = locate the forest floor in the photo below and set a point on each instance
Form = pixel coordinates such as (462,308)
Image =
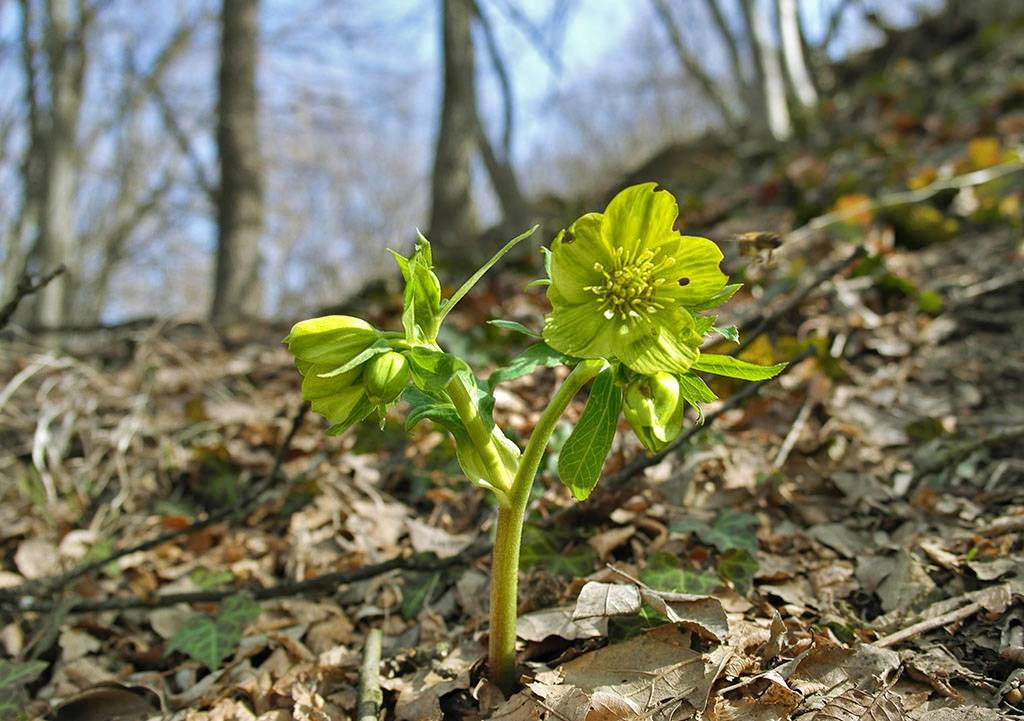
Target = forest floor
(178,539)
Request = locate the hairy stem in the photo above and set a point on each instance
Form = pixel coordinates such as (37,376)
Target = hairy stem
(509,533)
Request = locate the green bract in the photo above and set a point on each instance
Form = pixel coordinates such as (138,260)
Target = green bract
(625,284)
(654,407)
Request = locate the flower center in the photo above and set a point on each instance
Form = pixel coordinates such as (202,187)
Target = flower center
(630,288)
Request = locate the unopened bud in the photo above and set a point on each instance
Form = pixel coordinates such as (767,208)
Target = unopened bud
(385,377)
(654,408)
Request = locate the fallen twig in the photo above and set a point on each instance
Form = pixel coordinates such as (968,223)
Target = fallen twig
(24,593)
(327,583)
(370,694)
(994,599)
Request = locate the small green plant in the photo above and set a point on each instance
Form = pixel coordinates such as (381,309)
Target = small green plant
(210,640)
(628,297)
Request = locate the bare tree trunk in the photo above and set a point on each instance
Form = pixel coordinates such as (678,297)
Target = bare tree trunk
(452,220)
(56,241)
(771,83)
(793,53)
(237,292)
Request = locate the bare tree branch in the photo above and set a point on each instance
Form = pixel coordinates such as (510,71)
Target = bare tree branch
(26,287)
(692,65)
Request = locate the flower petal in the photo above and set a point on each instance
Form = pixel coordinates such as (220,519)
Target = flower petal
(697,271)
(639,218)
(580,330)
(669,346)
(574,253)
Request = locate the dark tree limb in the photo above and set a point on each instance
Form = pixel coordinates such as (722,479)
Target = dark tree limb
(26,287)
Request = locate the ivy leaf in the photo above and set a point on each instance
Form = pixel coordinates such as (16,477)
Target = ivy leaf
(583,455)
(665,572)
(729,367)
(524,363)
(416,589)
(731,530)
(210,640)
(547,550)
(738,566)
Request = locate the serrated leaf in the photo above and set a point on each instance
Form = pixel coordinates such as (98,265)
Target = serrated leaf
(694,390)
(468,285)
(738,566)
(524,363)
(729,332)
(433,369)
(730,367)
(421,315)
(583,455)
(721,297)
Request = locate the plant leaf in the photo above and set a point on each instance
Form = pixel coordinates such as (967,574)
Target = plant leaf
(738,566)
(515,326)
(524,363)
(468,285)
(210,640)
(583,455)
(729,367)
(13,677)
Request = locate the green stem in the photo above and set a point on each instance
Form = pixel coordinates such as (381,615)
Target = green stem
(481,435)
(509,533)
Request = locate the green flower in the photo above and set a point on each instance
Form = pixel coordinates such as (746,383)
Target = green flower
(331,354)
(625,284)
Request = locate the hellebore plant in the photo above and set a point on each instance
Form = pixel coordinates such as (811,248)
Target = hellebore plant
(628,294)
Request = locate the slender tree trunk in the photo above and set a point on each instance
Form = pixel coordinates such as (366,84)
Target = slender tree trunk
(56,242)
(770,109)
(237,291)
(793,53)
(452,222)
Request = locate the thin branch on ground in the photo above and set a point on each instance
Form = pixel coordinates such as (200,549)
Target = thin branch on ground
(47,586)
(370,694)
(325,584)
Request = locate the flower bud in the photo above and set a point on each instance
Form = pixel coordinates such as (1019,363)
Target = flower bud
(654,408)
(385,377)
(332,340)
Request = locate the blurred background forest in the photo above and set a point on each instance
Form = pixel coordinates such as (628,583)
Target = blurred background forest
(246,159)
